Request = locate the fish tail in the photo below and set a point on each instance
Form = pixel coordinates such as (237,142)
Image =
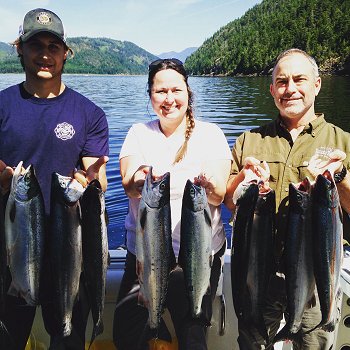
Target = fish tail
(286,334)
(329,327)
(98,329)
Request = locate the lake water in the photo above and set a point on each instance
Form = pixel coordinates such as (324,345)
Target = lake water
(235,104)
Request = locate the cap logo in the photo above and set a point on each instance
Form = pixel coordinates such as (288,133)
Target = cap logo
(44,18)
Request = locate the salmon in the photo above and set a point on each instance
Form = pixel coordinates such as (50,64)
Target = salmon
(195,256)
(300,280)
(65,246)
(154,252)
(328,246)
(95,251)
(25,233)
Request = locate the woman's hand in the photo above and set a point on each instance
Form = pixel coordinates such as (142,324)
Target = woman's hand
(140,177)
(208,183)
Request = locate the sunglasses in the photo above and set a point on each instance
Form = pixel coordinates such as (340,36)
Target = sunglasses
(161,60)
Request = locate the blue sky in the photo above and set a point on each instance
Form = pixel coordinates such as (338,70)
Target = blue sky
(155,25)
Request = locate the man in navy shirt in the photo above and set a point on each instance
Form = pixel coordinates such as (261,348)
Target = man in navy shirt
(45,123)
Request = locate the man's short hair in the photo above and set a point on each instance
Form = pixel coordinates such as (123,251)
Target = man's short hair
(301,52)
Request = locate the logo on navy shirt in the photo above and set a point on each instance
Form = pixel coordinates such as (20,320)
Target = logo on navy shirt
(64,131)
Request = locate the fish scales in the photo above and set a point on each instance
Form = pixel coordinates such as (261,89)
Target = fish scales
(24,233)
(95,251)
(195,256)
(328,249)
(260,260)
(154,250)
(300,280)
(242,225)
(65,247)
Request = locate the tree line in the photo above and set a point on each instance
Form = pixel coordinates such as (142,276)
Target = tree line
(250,44)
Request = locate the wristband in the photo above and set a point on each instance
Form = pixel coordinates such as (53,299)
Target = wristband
(339,177)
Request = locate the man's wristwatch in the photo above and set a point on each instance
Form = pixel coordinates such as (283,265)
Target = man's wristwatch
(339,177)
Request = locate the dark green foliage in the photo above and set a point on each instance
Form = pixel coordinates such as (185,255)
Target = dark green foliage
(250,44)
(91,56)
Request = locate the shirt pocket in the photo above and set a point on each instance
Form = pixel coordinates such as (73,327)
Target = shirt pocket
(276,162)
(300,164)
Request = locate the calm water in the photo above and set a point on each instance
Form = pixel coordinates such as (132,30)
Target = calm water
(235,104)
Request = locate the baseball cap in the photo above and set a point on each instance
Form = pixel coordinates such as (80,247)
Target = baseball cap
(41,20)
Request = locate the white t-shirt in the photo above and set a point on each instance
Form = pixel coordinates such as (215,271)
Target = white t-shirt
(206,143)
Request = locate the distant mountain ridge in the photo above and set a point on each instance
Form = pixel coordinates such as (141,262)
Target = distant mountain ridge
(91,56)
(182,55)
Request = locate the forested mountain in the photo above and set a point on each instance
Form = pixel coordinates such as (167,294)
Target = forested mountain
(91,56)
(250,44)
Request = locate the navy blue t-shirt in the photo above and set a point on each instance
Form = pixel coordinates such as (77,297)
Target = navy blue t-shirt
(52,134)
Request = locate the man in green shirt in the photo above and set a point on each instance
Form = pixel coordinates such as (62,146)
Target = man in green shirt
(283,152)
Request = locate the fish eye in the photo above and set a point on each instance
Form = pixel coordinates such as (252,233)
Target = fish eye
(162,186)
(192,192)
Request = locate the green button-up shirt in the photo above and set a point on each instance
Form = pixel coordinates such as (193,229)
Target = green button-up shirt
(288,160)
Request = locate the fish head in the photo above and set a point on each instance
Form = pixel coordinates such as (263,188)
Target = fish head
(325,189)
(67,188)
(194,197)
(25,185)
(299,195)
(156,191)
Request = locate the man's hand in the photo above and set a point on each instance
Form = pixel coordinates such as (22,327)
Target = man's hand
(333,162)
(6,174)
(92,172)
(254,169)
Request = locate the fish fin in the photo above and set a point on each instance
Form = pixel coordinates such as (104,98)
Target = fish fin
(208,291)
(329,327)
(98,329)
(207,216)
(139,271)
(141,299)
(13,212)
(142,218)
(13,291)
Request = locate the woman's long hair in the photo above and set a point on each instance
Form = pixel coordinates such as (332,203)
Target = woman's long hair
(176,65)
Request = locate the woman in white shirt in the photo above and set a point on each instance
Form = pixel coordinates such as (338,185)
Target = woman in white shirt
(187,148)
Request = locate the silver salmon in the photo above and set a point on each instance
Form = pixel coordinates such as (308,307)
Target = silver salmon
(328,248)
(195,255)
(65,247)
(260,260)
(24,231)
(95,251)
(154,250)
(242,226)
(300,280)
